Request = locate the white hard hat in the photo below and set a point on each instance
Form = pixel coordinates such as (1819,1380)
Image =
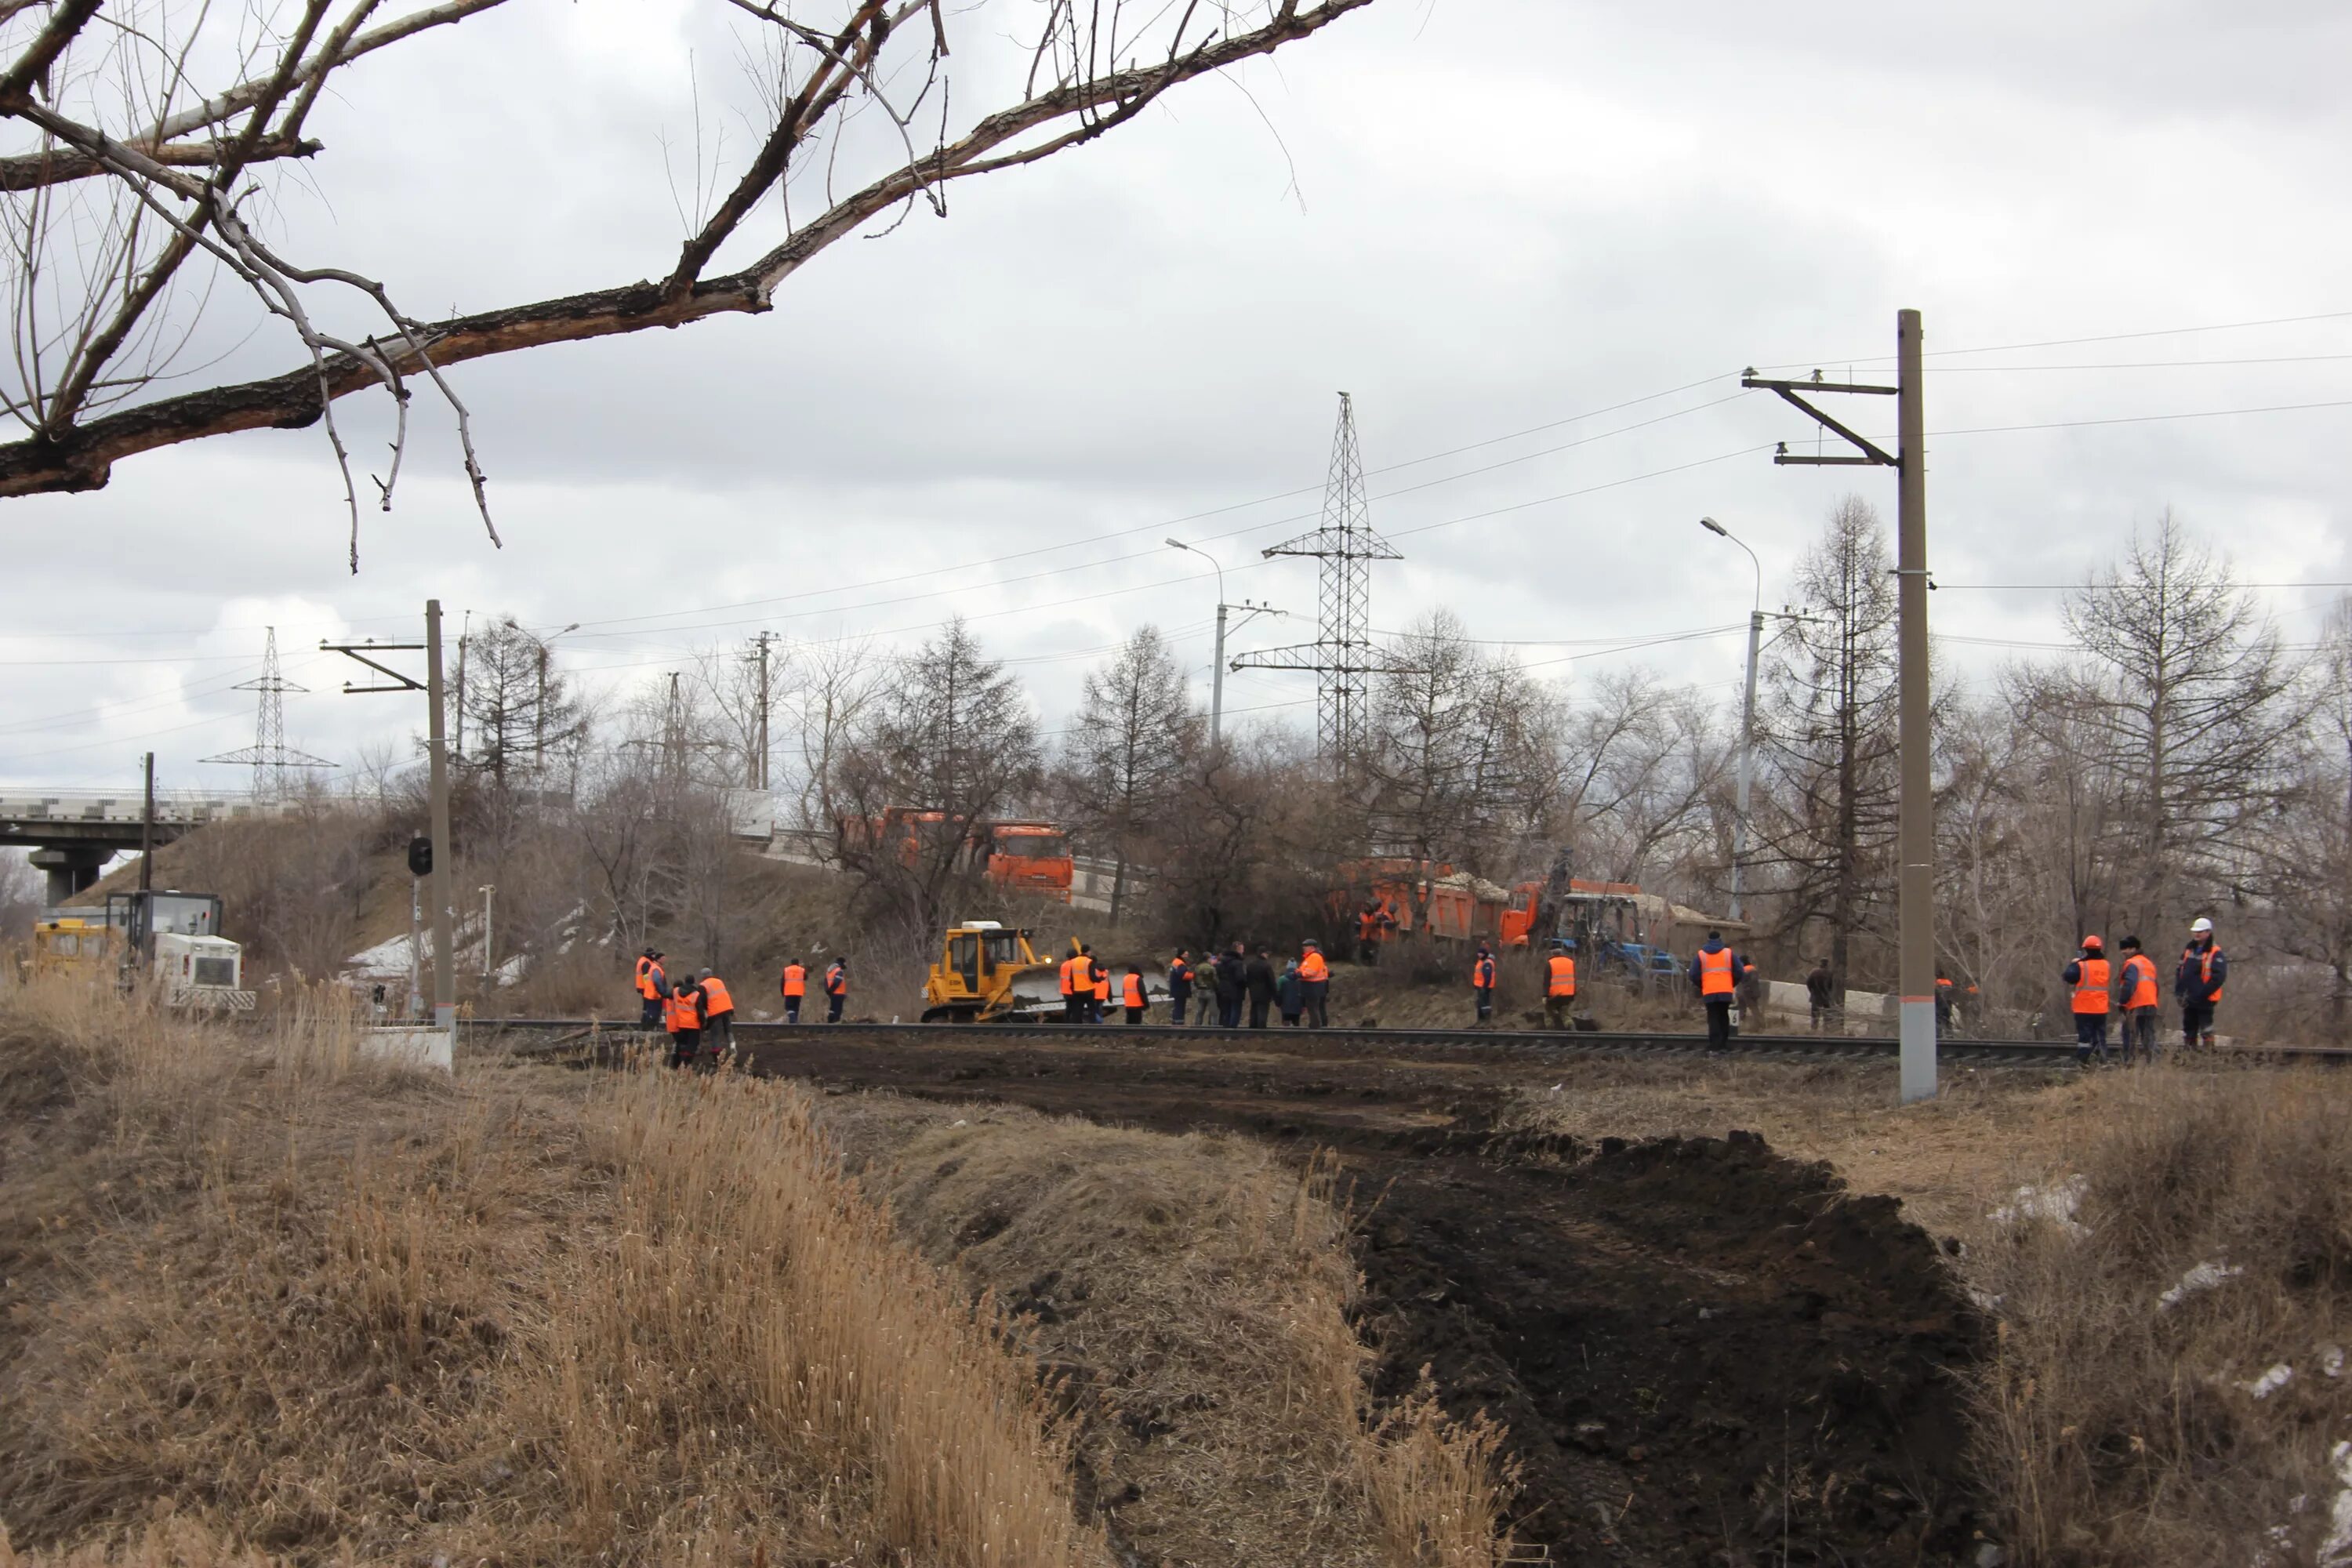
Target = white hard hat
(2198,926)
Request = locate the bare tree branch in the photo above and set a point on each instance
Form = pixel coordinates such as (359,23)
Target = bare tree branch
(31,171)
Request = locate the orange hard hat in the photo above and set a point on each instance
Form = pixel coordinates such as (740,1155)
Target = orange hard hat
(2093,942)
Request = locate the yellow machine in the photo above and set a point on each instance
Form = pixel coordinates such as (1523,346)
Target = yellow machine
(70,945)
(987,973)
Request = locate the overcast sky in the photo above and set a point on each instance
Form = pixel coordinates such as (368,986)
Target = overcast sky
(1499,225)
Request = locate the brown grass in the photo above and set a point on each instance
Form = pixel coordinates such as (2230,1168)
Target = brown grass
(2116,1430)
(262,1297)
(1195,1291)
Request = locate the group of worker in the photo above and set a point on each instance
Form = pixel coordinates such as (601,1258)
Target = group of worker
(698,1012)
(2101,989)
(1235,981)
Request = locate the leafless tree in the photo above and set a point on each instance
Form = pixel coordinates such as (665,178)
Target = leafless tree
(1126,752)
(834,688)
(1461,746)
(1827,733)
(732,693)
(136,190)
(2188,701)
(949,743)
(1639,767)
(2307,843)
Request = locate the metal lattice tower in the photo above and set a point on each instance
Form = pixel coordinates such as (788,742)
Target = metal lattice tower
(270,754)
(1342,651)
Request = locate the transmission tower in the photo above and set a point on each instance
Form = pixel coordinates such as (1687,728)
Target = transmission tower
(270,754)
(1342,652)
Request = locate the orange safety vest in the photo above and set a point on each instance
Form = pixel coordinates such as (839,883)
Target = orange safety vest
(795,980)
(1134,989)
(2205,964)
(1102,983)
(683,1010)
(1563,976)
(836,980)
(2139,981)
(650,980)
(1311,967)
(644,963)
(1070,974)
(1715,972)
(1482,974)
(2091,990)
(715,999)
(1180,973)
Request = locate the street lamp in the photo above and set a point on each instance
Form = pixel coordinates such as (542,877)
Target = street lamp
(1747,711)
(538,712)
(1217,675)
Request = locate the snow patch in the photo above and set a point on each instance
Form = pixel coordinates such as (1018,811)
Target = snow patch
(2055,1204)
(2270,1381)
(2204,1277)
(2331,1360)
(2336,1551)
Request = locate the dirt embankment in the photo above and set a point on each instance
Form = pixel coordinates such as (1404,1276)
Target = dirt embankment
(1703,1352)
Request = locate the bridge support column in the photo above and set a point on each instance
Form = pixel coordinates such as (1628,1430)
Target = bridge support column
(72,867)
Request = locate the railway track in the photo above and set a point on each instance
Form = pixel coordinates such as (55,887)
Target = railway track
(1422,1044)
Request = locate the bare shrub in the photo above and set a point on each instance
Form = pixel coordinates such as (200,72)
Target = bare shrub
(2131,1412)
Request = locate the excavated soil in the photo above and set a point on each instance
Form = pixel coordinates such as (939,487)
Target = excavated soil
(1702,1352)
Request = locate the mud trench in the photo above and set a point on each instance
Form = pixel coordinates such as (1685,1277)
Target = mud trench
(1701,1351)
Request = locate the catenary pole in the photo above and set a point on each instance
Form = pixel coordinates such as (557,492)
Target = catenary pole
(147,831)
(445,959)
(1747,714)
(1915,825)
(1915,817)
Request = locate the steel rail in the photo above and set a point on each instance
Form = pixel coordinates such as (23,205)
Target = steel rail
(1419,1042)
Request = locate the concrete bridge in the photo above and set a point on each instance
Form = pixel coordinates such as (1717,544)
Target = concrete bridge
(73,835)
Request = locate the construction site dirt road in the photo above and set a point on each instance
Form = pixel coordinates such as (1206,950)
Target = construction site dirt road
(1703,1352)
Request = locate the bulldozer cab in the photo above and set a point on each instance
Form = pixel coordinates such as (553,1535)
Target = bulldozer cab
(66,944)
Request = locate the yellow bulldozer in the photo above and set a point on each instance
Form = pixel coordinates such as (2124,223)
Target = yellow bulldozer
(988,973)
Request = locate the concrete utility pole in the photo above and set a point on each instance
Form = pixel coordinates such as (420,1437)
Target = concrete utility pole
(147,831)
(1746,714)
(1915,818)
(1217,672)
(1915,827)
(759,763)
(445,956)
(489,953)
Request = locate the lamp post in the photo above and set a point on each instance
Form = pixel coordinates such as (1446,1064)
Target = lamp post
(539,710)
(1746,712)
(1217,673)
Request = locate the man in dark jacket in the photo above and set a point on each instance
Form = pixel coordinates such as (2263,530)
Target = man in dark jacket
(1716,971)
(1820,990)
(2198,985)
(1258,975)
(1232,985)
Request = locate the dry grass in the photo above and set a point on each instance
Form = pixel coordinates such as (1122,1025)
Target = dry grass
(262,1297)
(1195,1292)
(2117,1430)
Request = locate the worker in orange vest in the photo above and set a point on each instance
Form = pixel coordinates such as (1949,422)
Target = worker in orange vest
(1481,982)
(836,988)
(2197,984)
(652,986)
(796,987)
(718,1016)
(2087,980)
(1180,986)
(1078,986)
(684,1006)
(1716,971)
(1314,984)
(1101,996)
(2136,990)
(1131,993)
(1560,986)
